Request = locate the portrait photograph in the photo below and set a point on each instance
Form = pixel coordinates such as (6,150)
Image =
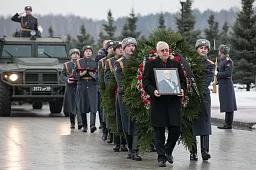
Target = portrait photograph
(167,81)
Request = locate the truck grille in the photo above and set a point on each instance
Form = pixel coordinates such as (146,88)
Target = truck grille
(43,77)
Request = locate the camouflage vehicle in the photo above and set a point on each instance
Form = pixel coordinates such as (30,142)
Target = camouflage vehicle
(29,72)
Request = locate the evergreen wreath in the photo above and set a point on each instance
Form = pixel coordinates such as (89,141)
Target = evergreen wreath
(138,101)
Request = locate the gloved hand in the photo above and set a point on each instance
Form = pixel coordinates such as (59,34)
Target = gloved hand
(70,82)
(93,75)
(83,73)
(216,73)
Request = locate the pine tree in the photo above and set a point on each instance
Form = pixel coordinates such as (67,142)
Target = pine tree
(212,33)
(109,28)
(243,40)
(129,28)
(224,37)
(84,38)
(186,23)
(50,31)
(161,21)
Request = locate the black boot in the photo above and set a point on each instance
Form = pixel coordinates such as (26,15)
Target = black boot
(110,138)
(193,153)
(84,129)
(228,121)
(84,122)
(123,144)
(205,147)
(136,156)
(117,142)
(72,120)
(104,132)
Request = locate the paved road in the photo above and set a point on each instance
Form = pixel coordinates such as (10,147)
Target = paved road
(30,140)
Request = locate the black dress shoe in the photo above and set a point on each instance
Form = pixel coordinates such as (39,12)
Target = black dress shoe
(169,158)
(93,129)
(162,163)
(116,148)
(193,157)
(225,127)
(124,148)
(136,157)
(205,155)
(84,129)
(79,126)
(100,127)
(72,126)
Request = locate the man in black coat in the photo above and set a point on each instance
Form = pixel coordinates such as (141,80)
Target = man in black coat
(226,89)
(165,110)
(28,22)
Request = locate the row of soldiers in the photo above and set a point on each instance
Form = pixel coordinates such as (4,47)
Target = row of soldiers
(82,92)
(82,78)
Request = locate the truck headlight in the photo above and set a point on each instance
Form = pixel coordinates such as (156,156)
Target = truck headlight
(13,77)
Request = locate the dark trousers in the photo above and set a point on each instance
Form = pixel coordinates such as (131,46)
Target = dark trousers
(204,140)
(229,118)
(159,136)
(72,118)
(92,119)
(119,140)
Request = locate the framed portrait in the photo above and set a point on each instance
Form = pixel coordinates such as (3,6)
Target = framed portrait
(167,81)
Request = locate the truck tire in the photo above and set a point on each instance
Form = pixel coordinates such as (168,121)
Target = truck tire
(5,100)
(37,105)
(55,107)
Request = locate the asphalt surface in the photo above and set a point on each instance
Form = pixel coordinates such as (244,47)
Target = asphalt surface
(35,139)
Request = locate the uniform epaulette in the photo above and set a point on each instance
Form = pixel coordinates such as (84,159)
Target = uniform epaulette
(120,59)
(210,61)
(228,58)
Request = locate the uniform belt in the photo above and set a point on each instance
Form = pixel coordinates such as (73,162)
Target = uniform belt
(25,29)
(86,78)
(226,78)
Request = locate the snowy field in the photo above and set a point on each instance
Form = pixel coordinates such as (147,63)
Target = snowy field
(246,103)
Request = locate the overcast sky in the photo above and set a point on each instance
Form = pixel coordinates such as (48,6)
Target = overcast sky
(97,9)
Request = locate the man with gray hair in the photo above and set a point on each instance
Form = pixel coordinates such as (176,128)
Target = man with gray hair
(69,102)
(226,89)
(129,125)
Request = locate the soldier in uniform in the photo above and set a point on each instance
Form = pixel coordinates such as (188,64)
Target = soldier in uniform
(227,96)
(69,103)
(101,54)
(202,125)
(28,22)
(85,72)
(101,66)
(119,141)
(129,125)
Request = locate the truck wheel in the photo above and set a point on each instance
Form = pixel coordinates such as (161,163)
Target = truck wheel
(55,107)
(37,105)
(5,100)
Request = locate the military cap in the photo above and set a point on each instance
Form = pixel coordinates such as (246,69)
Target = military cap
(203,42)
(117,44)
(224,49)
(87,47)
(28,8)
(74,50)
(109,44)
(128,41)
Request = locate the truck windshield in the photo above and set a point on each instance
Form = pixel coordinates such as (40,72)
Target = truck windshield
(52,51)
(16,51)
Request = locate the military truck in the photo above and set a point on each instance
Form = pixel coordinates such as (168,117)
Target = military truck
(29,72)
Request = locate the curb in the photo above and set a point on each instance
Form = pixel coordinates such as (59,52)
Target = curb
(250,125)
